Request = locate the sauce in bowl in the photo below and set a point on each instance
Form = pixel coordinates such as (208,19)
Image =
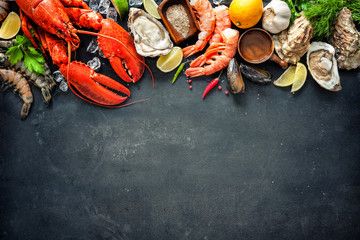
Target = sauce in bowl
(256,46)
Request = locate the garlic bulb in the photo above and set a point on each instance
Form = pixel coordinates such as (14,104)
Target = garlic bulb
(276,16)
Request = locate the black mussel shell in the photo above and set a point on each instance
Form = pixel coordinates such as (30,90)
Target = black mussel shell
(256,75)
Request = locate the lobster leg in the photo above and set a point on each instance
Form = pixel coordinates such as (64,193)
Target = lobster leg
(75,3)
(85,18)
(29,30)
(56,48)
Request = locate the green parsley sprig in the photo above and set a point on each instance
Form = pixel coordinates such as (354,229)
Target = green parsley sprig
(22,50)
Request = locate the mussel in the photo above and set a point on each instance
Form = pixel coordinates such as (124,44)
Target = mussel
(254,74)
(235,80)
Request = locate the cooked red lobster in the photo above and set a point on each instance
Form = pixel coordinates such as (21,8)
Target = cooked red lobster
(51,25)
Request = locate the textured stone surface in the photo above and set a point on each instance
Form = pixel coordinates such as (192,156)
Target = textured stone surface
(265,165)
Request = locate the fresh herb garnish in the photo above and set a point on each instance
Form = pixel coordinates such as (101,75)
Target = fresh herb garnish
(23,50)
(322,13)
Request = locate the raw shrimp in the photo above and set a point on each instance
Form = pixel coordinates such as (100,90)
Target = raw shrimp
(4,9)
(20,85)
(44,82)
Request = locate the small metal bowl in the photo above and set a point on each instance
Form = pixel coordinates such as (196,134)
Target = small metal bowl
(262,36)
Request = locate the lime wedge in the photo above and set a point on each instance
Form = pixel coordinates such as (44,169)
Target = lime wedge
(10,27)
(121,7)
(170,61)
(151,7)
(300,77)
(287,78)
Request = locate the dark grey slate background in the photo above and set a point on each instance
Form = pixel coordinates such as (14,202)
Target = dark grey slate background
(265,165)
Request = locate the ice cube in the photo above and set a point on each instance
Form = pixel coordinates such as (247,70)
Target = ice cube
(58,76)
(135,3)
(63,86)
(112,14)
(93,46)
(104,6)
(94,63)
(94,4)
(217,2)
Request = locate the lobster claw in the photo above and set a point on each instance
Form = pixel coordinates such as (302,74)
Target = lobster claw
(124,59)
(93,87)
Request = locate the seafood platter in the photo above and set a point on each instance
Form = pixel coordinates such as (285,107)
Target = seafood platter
(215,41)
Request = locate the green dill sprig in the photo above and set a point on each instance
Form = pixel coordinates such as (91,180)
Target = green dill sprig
(354,7)
(322,13)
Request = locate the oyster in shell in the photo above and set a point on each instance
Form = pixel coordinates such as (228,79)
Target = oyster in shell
(323,66)
(150,36)
(293,43)
(346,40)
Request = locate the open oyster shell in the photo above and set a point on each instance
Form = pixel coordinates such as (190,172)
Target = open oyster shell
(346,40)
(293,43)
(323,66)
(150,36)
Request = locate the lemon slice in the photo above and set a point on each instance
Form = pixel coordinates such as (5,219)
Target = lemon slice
(10,27)
(300,77)
(121,6)
(287,78)
(151,7)
(170,61)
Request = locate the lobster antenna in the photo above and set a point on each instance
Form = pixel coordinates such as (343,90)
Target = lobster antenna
(117,40)
(69,60)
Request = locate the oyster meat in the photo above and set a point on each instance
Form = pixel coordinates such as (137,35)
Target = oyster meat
(150,36)
(346,40)
(323,66)
(293,43)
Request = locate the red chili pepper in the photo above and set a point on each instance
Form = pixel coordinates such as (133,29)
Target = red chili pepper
(210,86)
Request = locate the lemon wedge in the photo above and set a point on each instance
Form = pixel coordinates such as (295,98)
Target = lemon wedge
(287,78)
(151,7)
(299,78)
(10,27)
(170,61)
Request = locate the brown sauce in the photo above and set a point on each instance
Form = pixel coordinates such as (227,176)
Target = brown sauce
(256,46)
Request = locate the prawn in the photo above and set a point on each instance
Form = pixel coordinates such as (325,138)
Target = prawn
(222,22)
(44,82)
(206,18)
(20,85)
(217,56)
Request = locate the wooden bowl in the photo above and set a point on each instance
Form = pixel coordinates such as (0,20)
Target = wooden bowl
(175,35)
(258,42)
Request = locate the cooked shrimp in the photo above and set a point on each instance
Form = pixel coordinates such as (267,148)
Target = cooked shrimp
(222,22)
(20,85)
(206,19)
(217,56)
